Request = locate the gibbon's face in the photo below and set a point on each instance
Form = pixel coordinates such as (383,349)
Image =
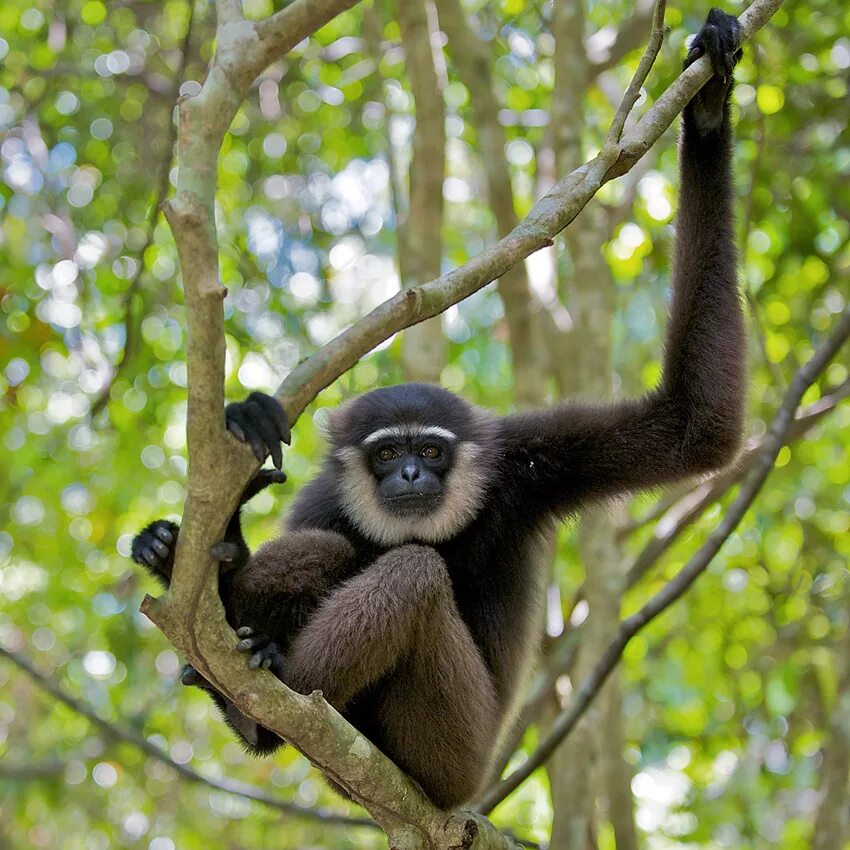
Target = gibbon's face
(414,463)
(410,467)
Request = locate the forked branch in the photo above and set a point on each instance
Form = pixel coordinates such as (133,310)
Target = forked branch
(777,435)
(191,614)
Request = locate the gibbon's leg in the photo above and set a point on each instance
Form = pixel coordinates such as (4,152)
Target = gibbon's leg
(437,709)
(438,714)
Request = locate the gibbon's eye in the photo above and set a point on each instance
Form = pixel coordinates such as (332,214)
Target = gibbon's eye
(387,453)
(431,452)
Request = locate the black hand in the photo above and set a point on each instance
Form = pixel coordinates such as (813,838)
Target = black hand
(718,39)
(153,547)
(260,422)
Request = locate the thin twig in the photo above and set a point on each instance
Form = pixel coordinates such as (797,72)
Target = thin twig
(130,736)
(673,590)
(689,508)
(163,185)
(744,239)
(630,98)
(549,216)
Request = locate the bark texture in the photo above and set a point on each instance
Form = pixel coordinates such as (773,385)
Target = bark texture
(472,57)
(421,226)
(592,760)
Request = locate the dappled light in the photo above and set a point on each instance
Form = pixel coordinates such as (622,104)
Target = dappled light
(725,712)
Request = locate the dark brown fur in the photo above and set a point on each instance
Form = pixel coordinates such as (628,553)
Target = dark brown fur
(423,647)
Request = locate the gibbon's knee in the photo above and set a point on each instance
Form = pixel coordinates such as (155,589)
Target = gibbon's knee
(414,570)
(455,703)
(368,623)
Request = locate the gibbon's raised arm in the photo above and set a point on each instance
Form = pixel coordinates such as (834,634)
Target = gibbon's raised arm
(692,422)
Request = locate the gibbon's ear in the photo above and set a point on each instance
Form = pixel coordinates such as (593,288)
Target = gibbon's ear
(333,425)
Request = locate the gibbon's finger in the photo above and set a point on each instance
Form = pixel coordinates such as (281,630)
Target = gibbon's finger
(696,51)
(263,427)
(237,422)
(267,428)
(710,39)
(272,476)
(164,534)
(260,481)
(275,412)
(242,419)
(151,557)
(236,430)
(252,644)
(264,657)
(244,631)
(248,416)
(160,548)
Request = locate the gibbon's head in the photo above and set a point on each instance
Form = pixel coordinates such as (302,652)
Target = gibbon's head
(415,462)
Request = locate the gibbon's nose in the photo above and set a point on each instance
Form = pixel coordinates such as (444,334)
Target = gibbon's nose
(410,472)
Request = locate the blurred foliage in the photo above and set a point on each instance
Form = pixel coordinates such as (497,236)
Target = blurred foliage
(726,695)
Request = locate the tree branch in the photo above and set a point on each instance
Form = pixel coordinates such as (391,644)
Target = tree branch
(420,228)
(591,763)
(630,98)
(191,613)
(550,215)
(113,732)
(762,466)
(283,30)
(691,506)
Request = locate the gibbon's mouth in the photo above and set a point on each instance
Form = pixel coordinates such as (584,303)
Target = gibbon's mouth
(407,504)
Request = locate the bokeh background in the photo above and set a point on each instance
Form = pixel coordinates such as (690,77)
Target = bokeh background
(734,705)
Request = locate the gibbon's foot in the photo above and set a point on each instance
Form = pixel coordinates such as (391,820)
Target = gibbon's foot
(718,39)
(260,422)
(190,677)
(263,651)
(154,545)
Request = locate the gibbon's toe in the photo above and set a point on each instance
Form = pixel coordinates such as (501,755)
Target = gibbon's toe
(190,677)
(263,651)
